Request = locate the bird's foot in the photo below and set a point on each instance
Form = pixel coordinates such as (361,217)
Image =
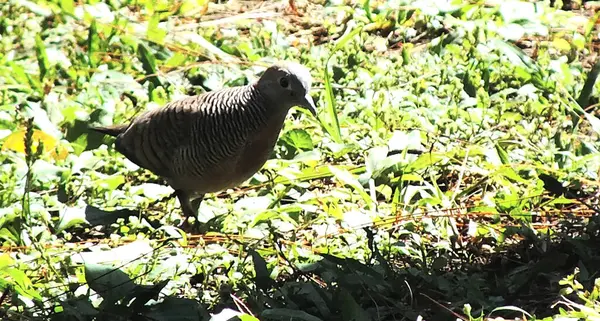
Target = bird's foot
(195,227)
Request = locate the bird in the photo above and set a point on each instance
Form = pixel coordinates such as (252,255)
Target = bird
(216,140)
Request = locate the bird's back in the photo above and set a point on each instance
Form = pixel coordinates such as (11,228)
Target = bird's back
(204,143)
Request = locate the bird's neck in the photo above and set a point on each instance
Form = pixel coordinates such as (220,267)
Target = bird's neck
(274,109)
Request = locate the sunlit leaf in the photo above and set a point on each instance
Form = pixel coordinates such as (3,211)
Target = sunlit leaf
(347,178)
(561,44)
(154,32)
(16,142)
(109,282)
(42,57)
(299,139)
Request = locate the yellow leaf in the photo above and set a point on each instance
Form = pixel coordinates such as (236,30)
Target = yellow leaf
(561,44)
(190,7)
(16,142)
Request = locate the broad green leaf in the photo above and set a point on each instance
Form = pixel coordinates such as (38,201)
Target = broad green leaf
(109,282)
(423,161)
(247,317)
(110,182)
(21,282)
(349,308)
(71,217)
(5,260)
(299,139)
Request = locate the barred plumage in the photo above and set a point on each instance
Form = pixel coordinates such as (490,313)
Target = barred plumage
(217,140)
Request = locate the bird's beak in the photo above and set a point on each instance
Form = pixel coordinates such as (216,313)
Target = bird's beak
(309,104)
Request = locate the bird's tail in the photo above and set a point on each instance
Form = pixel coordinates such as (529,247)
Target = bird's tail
(114,130)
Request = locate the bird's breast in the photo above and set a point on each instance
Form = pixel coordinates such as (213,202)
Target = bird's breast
(235,169)
(257,149)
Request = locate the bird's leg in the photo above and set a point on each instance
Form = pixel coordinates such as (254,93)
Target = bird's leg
(186,205)
(189,207)
(195,205)
(196,202)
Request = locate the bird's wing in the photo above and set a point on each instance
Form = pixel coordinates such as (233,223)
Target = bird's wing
(155,138)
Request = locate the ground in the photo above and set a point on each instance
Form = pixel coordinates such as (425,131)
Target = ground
(451,173)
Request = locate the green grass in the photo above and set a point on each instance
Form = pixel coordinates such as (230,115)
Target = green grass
(450,174)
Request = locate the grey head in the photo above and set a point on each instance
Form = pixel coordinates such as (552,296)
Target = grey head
(287,84)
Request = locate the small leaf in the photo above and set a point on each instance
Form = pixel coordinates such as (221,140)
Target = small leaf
(149,64)
(502,154)
(299,139)
(193,7)
(561,44)
(93,43)
(347,178)
(263,277)
(154,32)
(42,57)
(67,6)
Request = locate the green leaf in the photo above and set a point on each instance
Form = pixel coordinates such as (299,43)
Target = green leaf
(263,277)
(110,182)
(42,57)
(347,178)
(154,32)
(110,283)
(93,43)
(149,64)
(71,217)
(299,139)
(349,308)
(502,154)
(247,317)
(67,6)
(331,122)
(21,282)
(424,161)
(367,8)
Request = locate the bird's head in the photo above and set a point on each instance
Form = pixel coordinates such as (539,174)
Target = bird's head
(288,83)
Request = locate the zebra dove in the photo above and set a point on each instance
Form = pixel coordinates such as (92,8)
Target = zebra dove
(216,140)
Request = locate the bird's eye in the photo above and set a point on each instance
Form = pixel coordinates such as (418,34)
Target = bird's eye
(283,82)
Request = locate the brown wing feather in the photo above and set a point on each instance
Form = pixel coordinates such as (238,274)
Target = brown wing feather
(154,138)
